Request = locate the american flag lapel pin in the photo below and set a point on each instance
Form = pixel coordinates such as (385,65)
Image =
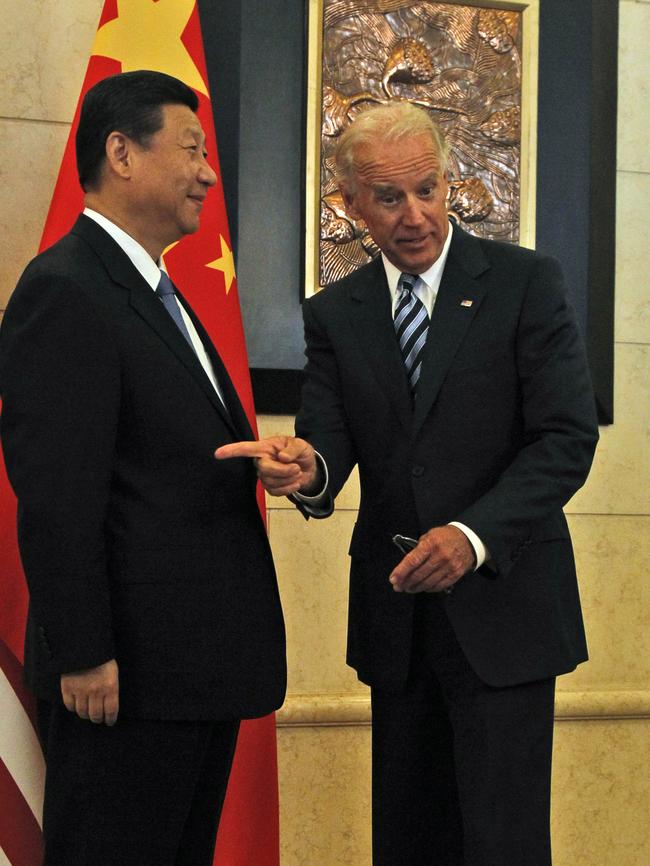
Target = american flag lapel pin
(466,303)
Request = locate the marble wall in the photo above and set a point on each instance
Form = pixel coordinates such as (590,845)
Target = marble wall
(601,783)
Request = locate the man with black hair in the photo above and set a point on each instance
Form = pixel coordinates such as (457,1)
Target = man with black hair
(154,624)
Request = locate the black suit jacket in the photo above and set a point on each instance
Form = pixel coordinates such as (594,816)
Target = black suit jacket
(136,543)
(501,435)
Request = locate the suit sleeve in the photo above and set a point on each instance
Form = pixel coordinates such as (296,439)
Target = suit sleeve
(60,384)
(321,419)
(560,429)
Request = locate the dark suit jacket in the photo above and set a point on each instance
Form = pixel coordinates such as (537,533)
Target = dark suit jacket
(501,435)
(136,543)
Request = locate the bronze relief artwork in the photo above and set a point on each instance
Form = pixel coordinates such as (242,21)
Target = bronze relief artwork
(463,63)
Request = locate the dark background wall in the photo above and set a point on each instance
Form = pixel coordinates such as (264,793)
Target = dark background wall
(264,91)
(256,56)
(576,167)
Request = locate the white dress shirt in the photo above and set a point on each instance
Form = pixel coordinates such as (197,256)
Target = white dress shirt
(150,271)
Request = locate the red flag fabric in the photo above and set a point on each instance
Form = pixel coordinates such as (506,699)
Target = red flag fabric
(22,771)
(165,36)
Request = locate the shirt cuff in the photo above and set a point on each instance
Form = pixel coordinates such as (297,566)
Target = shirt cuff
(480,550)
(317,502)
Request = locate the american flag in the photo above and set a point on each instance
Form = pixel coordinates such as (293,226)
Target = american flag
(22,769)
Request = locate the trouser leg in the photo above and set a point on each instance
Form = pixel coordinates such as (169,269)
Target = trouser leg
(197,843)
(415,815)
(502,744)
(123,796)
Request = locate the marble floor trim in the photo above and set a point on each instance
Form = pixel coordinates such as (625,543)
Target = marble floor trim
(323,710)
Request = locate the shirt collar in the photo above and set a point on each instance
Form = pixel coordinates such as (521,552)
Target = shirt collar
(140,258)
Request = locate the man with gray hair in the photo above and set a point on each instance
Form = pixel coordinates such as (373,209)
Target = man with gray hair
(450,370)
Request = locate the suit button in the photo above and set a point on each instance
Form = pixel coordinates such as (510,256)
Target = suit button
(417,471)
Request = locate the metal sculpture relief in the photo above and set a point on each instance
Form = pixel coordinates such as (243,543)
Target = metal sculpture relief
(463,64)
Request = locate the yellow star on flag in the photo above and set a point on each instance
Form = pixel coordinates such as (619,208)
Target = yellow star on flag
(169,249)
(226,263)
(147,35)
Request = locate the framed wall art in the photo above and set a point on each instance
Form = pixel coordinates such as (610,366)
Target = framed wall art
(263,62)
(472,66)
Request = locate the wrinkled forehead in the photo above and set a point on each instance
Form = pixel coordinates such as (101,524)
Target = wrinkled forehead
(395,159)
(182,122)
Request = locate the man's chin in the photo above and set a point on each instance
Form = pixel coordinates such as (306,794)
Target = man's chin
(415,264)
(415,258)
(191,226)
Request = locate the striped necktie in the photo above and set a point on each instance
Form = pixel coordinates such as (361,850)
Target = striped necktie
(411,327)
(166,293)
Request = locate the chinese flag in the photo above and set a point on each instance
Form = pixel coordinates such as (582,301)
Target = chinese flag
(165,36)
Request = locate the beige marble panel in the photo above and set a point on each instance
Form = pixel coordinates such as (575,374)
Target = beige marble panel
(282,425)
(613,556)
(632,321)
(601,791)
(275,425)
(601,794)
(31,153)
(618,483)
(324,796)
(633,86)
(312,564)
(44,50)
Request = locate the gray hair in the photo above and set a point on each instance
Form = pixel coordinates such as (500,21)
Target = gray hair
(388,122)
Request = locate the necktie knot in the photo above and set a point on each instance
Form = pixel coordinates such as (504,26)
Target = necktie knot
(407,282)
(165,286)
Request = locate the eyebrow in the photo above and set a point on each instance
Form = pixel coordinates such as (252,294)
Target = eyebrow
(431,178)
(195,132)
(383,187)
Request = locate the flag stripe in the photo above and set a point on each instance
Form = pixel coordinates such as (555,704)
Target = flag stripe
(20,749)
(20,835)
(13,670)
(13,590)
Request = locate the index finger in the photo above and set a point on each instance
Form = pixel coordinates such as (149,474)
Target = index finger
(407,565)
(242,449)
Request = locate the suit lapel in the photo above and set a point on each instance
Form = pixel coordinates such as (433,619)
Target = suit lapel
(148,306)
(238,417)
(372,322)
(459,298)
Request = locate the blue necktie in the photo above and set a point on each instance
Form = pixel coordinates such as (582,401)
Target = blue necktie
(165,291)
(411,327)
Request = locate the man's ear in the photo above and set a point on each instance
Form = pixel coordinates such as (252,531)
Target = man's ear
(446,179)
(349,201)
(119,153)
